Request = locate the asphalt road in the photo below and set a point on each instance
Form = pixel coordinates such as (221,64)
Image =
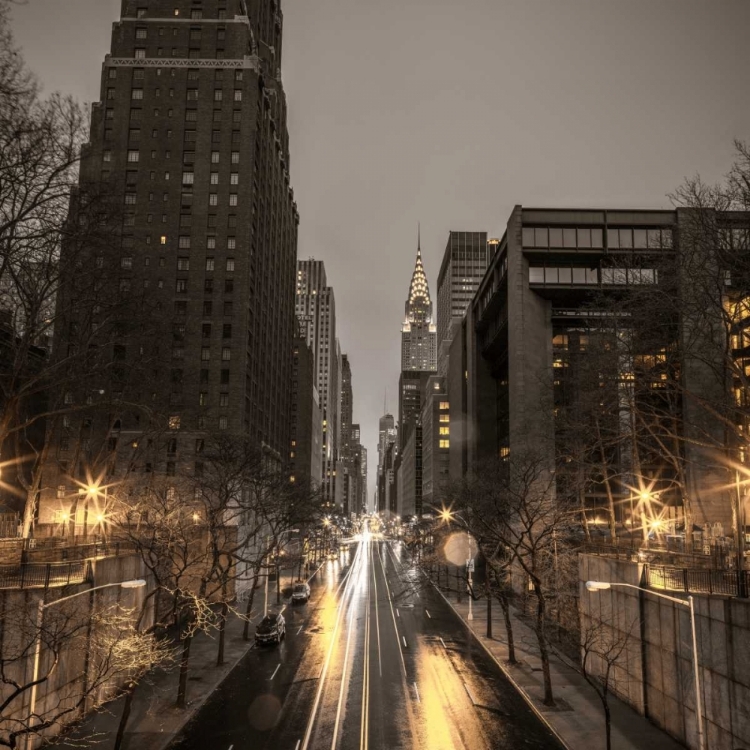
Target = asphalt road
(377,660)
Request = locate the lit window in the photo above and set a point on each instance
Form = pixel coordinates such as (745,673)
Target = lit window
(444,405)
(134,156)
(214,157)
(234,178)
(163,239)
(136,94)
(213,199)
(233,199)
(174,423)
(445,443)
(230,264)
(445,430)
(238,95)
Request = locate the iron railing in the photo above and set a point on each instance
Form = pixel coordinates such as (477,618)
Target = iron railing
(692,581)
(77,552)
(44,575)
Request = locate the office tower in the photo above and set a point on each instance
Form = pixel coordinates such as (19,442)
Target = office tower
(191,136)
(412,386)
(435,424)
(306,421)
(387,437)
(316,312)
(465,260)
(418,332)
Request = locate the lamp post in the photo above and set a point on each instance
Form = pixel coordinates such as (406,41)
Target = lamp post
(594,586)
(134,584)
(448,515)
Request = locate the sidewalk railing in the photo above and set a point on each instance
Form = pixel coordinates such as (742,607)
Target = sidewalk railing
(41,575)
(77,552)
(722,582)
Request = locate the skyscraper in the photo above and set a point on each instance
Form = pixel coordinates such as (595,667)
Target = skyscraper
(316,312)
(418,332)
(191,135)
(466,257)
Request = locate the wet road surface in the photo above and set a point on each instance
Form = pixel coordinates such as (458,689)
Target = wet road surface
(375,660)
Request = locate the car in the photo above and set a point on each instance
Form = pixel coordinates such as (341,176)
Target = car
(300,592)
(271,629)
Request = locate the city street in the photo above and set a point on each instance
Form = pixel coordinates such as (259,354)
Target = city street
(376,659)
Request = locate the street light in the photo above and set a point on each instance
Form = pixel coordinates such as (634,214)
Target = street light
(595,586)
(136,583)
(448,515)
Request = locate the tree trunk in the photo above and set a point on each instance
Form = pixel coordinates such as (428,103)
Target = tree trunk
(549,699)
(125,716)
(184,664)
(249,608)
(489,611)
(222,633)
(505,606)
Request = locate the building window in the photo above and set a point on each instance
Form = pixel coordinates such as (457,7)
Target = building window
(183,264)
(140,54)
(226,354)
(126,263)
(233,199)
(133,156)
(223,399)
(218,95)
(188,178)
(174,422)
(60,491)
(210,263)
(205,353)
(230,264)
(136,94)
(445,443)
(445,430)
(238,95)
(214,180)
(445,418)
(223,423)
(213,199)
(234,178)
(444,405)
(235,157)
(181,286)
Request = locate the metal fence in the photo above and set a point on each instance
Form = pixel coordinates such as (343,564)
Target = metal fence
(48,553)
(695,581)
(44,575)
(9,525)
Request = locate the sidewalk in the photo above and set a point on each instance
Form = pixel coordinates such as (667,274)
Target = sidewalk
(578,720)
(154,719)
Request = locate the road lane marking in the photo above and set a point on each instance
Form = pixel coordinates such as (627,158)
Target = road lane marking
(397,613)
(377,618)
(427,612)
(403,638)
(300,629)
(393,617)
(348,590)
(364,730)
(296,747)
(344,681)
(273,675)
(443,642)
(416,690)
(471,697)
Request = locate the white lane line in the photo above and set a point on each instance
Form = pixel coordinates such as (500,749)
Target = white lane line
(274,673)
(468,692)
(348,590)
(393,617)
(403,638)
(300,629)
(377,616)
(427,612)
(296,747)
(397,613)
(230,747)
(443,642)
(416,690)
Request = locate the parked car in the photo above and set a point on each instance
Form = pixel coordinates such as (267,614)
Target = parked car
(271,629)
(300,592)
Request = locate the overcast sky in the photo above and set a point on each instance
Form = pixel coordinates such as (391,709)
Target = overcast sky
(450,113)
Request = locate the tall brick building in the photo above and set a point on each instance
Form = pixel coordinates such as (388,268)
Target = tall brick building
(191,131)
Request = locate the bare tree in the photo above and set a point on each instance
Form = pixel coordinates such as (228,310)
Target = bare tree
(108,646)
(602,648)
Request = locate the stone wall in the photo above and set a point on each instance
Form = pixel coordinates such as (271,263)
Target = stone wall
(659,646)
(64,686)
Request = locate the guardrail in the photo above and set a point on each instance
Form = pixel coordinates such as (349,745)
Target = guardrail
(44,575)
(77,552)
(722,582)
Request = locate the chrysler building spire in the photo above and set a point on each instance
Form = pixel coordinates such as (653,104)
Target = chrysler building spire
(418,332)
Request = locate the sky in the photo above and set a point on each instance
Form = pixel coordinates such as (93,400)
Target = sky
(450,113)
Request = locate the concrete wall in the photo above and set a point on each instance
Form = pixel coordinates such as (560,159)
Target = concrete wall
(18,610)
(659,647)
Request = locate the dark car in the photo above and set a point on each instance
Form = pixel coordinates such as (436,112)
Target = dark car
(271,629)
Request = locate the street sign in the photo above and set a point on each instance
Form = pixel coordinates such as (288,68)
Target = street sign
(470,566)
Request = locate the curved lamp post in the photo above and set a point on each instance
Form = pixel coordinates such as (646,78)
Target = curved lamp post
(595,586)
(134,584)
(448,515)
